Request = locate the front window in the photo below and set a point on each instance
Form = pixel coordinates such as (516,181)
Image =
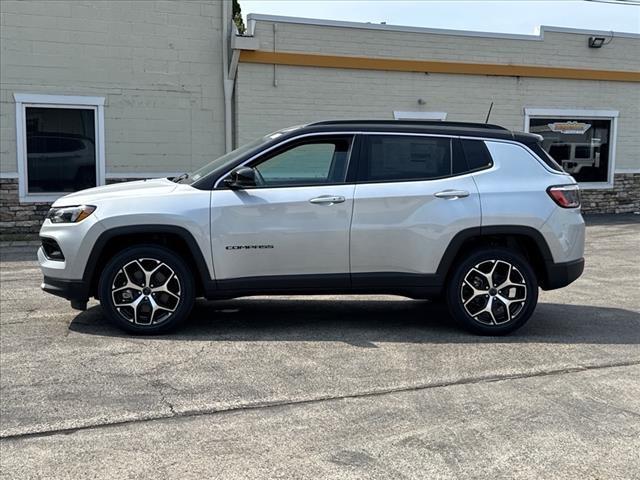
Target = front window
(314,161)
(581,144)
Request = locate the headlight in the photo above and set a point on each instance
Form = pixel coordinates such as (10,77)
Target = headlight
(70,214)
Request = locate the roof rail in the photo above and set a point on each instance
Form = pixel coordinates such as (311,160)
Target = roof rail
(436,123)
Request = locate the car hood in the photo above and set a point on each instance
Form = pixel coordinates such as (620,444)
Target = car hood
(158,186)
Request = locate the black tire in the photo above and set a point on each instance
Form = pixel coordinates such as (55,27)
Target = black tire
(499,318)
(178,293)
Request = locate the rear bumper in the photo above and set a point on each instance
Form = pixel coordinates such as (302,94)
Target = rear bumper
(562,274)
(76,291)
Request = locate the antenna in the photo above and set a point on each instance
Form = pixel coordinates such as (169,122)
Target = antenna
(488,113)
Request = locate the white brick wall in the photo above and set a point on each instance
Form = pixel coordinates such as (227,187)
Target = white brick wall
(307,94)
(157,63)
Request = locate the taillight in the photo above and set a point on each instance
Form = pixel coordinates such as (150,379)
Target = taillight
(566,196)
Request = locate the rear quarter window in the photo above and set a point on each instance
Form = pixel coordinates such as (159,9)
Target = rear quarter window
(476,154)
(548,160)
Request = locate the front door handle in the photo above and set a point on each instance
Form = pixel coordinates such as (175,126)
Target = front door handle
(327,199)
(451,194)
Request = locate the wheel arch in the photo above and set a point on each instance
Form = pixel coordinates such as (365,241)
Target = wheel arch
(526,240)
(177,239)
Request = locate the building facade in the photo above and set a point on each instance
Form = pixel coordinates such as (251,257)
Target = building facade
(98,92)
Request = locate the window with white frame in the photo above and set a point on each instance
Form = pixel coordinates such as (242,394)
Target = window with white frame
(441,116)
(582,141)
(60,144)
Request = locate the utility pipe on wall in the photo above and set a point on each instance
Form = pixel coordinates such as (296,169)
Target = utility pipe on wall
(227,85)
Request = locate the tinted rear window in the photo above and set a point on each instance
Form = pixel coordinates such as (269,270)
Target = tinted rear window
(545,157)
(476,154)
(397,157)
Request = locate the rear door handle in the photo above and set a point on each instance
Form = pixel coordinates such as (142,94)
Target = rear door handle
(451,194)
(327,199)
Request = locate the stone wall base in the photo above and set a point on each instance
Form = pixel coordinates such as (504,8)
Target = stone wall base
(624,197)
(23,220)
(19,220)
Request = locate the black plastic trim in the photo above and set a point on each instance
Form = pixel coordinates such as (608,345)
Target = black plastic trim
(76,290)
(50,245)
(562,274)
(89,271)
(391,283)
(279,282)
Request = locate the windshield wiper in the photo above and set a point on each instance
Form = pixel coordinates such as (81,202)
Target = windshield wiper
(179,178)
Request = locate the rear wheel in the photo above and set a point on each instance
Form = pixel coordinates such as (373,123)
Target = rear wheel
(146,290)
(493,292)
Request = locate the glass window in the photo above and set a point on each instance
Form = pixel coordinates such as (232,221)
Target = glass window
(397,157)
(315,162)
(580,145)
(476,154)
(61,151)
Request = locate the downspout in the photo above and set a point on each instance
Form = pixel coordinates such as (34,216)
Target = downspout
(227,84)
(238,43)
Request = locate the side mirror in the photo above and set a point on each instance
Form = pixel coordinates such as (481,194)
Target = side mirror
(241,177)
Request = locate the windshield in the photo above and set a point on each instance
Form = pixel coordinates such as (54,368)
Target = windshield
(229,157)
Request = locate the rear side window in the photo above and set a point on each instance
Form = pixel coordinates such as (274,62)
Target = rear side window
(476,154)
(399,157)
(546,157)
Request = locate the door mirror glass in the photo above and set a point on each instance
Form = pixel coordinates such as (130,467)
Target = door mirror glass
(241,177)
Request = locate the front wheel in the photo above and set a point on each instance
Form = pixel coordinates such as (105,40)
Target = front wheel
(146,289)
(492,292)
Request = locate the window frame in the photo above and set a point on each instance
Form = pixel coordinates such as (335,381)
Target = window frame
(294,142)
(611,115)
(363,161)
(31,100)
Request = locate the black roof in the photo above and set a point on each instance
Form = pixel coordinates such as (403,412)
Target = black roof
(485,130)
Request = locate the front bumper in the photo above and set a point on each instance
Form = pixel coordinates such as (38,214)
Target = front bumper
(76,291)
(562,274)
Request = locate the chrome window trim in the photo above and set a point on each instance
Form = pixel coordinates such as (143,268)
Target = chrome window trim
(382,132)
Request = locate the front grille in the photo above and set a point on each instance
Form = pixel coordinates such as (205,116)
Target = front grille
(52,250)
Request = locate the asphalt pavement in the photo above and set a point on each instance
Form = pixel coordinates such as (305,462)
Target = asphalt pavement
(327,387)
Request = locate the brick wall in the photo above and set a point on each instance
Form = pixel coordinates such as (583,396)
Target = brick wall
(18,219)
(23,220)
(623,198)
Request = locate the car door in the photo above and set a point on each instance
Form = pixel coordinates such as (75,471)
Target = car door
(291,230)
(409,203)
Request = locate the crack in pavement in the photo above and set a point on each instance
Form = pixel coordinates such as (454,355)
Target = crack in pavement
(160,386)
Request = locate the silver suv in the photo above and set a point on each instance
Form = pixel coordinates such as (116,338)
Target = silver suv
(471,213)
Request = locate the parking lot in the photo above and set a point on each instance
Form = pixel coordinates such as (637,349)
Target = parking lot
(328,387)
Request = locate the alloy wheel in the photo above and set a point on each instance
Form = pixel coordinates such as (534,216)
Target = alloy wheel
(146,291)
(493,292)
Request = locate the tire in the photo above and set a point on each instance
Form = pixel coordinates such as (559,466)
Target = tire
(482,308)
(158,308)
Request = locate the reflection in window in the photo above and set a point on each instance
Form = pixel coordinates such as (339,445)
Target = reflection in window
(407,158)
(581,146)
(61,151)
(316,162)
